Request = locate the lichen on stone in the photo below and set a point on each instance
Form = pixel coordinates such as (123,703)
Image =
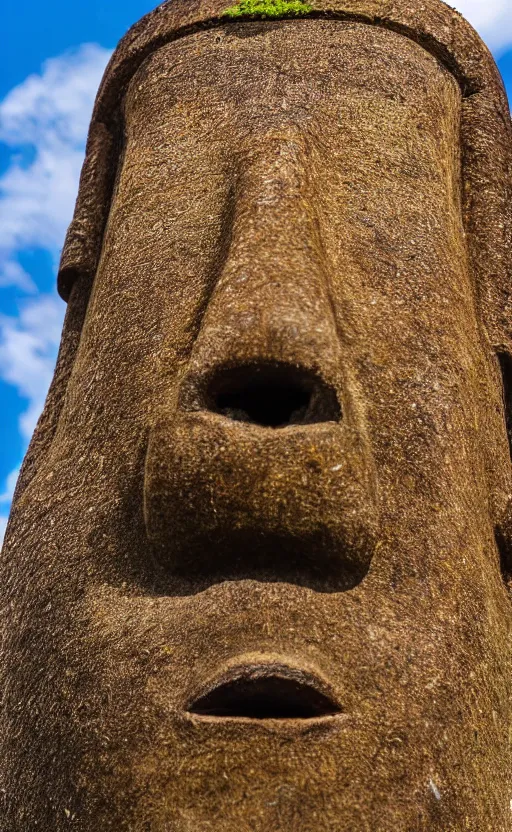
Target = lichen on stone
(268,8)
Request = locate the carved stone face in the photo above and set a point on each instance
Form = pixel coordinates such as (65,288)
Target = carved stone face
(264,589)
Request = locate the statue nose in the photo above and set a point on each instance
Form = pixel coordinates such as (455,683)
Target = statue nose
(271,396)
(259,468)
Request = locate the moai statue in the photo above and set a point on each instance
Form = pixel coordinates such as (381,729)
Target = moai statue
(255,577)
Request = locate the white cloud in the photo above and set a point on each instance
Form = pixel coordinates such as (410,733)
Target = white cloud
(43,123)
(492,19)
(5,499)
(12,479)
(3,525)
(28,347)
(46,116)
(14,275)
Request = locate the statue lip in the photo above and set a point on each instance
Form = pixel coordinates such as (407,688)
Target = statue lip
(258,690)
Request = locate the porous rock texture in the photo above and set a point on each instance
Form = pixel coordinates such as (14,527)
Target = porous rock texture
(255,576)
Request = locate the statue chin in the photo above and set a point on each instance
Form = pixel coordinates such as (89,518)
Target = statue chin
(256,573)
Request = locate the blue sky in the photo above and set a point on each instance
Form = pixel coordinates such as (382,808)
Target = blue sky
(53,55)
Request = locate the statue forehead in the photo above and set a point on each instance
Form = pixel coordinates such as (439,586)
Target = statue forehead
(432,24)
(218,58)
(367,87)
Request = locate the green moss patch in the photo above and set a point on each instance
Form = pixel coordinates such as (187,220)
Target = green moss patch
(268,8)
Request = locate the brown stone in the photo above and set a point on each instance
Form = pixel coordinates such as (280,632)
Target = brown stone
(255,574)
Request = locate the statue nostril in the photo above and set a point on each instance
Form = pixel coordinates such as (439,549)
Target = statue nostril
(272,396)
(265,405)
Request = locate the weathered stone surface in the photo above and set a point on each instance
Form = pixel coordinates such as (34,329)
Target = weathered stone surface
(254,577)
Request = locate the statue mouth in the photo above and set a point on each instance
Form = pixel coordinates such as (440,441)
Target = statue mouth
(266,691)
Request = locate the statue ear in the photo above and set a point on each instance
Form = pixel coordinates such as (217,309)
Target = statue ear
(486,147)
(505,361)
(504,541)
(486,133)
(504,525)
(82,247)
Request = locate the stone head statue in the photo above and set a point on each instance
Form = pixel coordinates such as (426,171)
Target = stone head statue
(255,577)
